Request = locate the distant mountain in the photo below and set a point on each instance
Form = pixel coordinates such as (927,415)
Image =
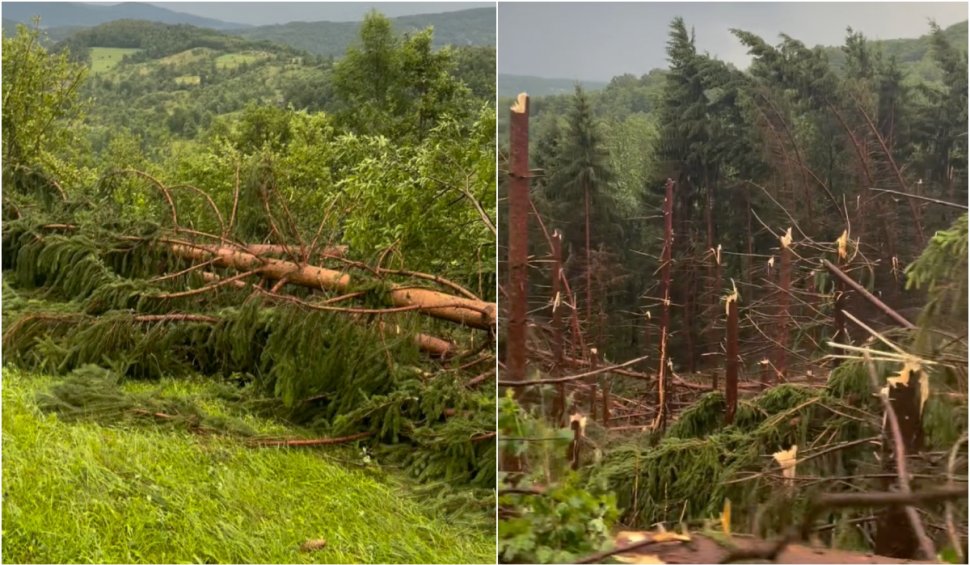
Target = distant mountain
(76,14)
(913,56)
(511,85)
(465,27)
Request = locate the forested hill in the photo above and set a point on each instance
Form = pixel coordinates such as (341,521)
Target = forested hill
(912,55)
(154,40)
(510,85)
(474,27)
(79,15)
(628,94)
(465,27)
(172,81)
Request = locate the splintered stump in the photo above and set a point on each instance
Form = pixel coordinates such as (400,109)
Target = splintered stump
(518,257)
(894,532)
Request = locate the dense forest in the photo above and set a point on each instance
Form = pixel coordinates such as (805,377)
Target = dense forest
(249,298)
(707,275)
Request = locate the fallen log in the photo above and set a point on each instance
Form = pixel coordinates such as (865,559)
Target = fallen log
(429,344)
(264,249)
(703,549)
(472,313)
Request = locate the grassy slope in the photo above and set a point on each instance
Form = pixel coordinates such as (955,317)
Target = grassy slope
(82,492)
(106,58)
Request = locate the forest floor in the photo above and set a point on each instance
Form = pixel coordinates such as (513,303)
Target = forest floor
(86,492)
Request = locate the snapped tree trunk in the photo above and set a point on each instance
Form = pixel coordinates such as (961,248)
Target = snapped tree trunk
(518,237)
(473,313)
(666,258)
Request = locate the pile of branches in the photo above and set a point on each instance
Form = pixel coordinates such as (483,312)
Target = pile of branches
(687,473)
(355,351)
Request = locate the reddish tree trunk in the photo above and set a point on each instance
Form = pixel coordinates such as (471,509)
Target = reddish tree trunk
(589,267)
(518,237)
(593,363)
(731,366)
(894,532)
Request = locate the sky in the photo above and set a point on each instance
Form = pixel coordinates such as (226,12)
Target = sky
(597,41)
(261,13)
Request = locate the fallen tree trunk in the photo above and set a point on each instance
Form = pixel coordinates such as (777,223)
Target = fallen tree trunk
(472,313)
(429,344)
(263,249)
(703,549)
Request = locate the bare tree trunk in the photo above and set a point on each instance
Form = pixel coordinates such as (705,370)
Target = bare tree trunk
(784,320)
(559,407)
(589,269)
(518,237)
(518,257)
(666,259)
(731,365)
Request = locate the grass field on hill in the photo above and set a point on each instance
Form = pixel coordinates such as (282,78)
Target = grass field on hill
(104,59)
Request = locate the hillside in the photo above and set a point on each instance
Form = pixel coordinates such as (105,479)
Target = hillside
(511,85)
(913,55)
(174,80)
(75,14)
(465,27)
(156,39)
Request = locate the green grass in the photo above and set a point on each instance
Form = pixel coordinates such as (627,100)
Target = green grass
(82,492)
(190,80)
(104,59)
(233,60)
(187,56)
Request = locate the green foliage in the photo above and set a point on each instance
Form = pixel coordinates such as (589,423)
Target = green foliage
(568,518)
(326,370)
(564,522)
(397,87)
(942,270)
(703,417)
(699,463)
(40,94)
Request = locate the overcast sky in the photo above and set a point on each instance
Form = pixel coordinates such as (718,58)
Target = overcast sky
(260,13)
(597,41)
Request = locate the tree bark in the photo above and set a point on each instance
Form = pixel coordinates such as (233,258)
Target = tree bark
(518,237)
(473,313)
(666,258)
(731,365)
